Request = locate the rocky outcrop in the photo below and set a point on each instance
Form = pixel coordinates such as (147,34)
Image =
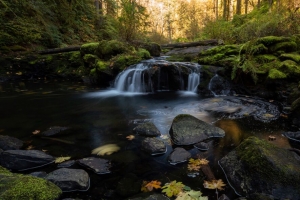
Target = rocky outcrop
(98,165)
(257,166)
(179,155)
(24,159)
(70,179)
(147,129)
(154,146)
(18,186)
(187,129)
(10,143)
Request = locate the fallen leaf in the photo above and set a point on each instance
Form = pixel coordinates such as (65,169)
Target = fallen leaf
(62,159)
(106,149)
(191,195)
(173,188)
(36,132)
(214,184)
(44,150)
(130,137)
(30,147)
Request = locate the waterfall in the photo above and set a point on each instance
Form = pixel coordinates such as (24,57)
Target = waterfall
(193,82)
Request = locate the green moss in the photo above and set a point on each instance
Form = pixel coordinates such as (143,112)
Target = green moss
(16,187)
(290,46)
(4,171)
(265,58)
(125,60)
(109,48)
(272,163)
(143,53)
(89,48)
(224,49)
(271,40)
(290,56)
(276,74)
(101,65)
(89,58)
(290,67)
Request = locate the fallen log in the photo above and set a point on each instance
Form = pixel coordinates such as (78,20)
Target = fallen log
(59,50)
(192,44)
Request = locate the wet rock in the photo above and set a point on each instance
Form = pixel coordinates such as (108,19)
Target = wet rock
(154,146)
(259,196)
(39,174)
(258,166)
(10,143)
(98,165)
(129,185)
(293,135)
(147,129)
(147,196)
(179,155)
(202,146)
(187,129)
(66,164)
(70,179)
(54,130)
(24,159)
(220,86)
(19,186)
(223,197)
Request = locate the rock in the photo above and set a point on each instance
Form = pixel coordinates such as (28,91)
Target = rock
(202,146)
(179,155)
(259,196)
(24,159)
(39,174)
(258,166)
(66,164)
(129,185)
(98,165)
(293,135)
(147,196)
(147,129)
(18,186)
(223,197)
(54,130)
(153,48)
(10,143)
(154,146)
(70,179)
(187,129)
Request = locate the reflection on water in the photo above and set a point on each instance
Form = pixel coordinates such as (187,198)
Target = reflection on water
(108,117)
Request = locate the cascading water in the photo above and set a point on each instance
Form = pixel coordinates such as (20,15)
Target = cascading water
(193,82)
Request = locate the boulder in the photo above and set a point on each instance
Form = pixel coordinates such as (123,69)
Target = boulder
(147,129)
(66,164)
(98,165)
(202,146)
(70,179)
(24,159)
(18,186)
(293,135)
(10,143)
(187,129)
(258,166)
(154,146)
(179,155)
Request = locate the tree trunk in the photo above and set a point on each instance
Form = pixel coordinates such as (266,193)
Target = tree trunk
(238,7)
(246,6)
(217,9)
(59,50)
(225,10)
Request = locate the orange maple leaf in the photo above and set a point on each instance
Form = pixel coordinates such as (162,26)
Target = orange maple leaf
(214,184)
(149,186)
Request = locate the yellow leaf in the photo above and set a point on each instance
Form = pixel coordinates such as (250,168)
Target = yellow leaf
(130,137)
(36,132)
(106,149)
(214,184)
(62,159)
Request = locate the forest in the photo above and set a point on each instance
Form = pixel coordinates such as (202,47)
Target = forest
(36,25)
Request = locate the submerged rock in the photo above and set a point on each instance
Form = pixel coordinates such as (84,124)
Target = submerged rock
(187,129)
(24,159)
(293,135)
(18,186)
(147,129)
(10,143)
(257,166)
(179,155)
(70,179)
(54,130)
(154,146)
(98,165)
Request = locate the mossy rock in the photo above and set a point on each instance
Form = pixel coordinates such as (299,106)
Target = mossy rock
(89,58)
(110,48)
(153,48)
(258,166)
(290,56)
(224,49)
(271,40)
(89,48)
(143,53)
(123,61)
(253,48)
(290,46)
(265,58)
(19,187)
(276,74)
(290,67)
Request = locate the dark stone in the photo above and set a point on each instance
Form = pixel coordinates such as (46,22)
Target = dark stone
(148,196)
(129,185)
(179,155)
(223,197)
(187,129)
(10,143)
(293,135)
(66,164)
(98,165)
(258,166)
(54,130)
(147,129)
(258,196)
(154,146)
(39,174)
(70,179)
(202,146)
(24,159)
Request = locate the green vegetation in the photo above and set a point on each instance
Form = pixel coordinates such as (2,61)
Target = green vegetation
(17,186)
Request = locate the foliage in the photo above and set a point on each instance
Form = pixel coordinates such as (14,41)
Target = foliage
(191,195)
(62,159)
(214,184)
(195,164)
(106,149)
(173,188)
(149,186)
